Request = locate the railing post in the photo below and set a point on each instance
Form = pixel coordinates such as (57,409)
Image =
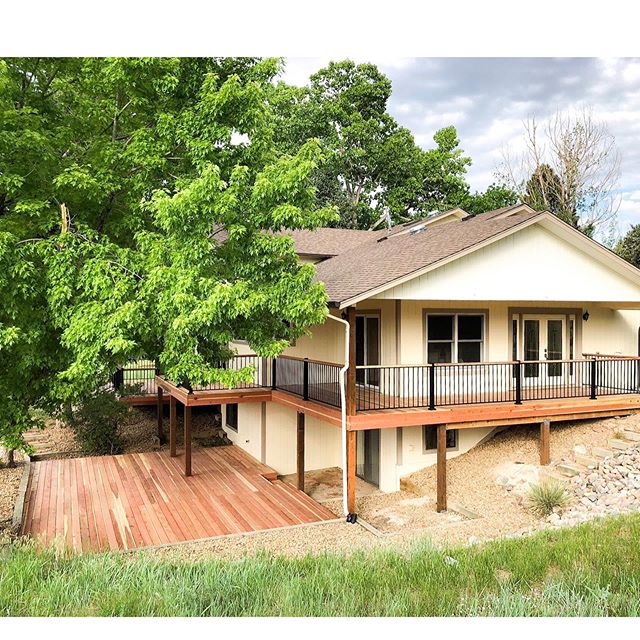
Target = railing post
(305,379)
(273,374)
(518,367)
(118,379)
(592,379)
(432,387)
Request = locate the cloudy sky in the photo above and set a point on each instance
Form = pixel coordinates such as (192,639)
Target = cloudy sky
(487,99)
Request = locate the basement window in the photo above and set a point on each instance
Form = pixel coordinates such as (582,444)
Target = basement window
(232,417)
(430,439)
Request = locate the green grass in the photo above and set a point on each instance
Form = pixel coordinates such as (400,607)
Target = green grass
(592,570)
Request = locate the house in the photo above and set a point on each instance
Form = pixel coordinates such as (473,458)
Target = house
(439,331)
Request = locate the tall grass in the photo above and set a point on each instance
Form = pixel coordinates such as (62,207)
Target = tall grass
(591,570)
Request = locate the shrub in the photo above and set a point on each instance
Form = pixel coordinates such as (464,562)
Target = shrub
(547,496)
(96,423)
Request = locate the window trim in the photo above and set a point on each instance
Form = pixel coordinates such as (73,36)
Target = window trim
(455,341)
(424,439)
(226,416)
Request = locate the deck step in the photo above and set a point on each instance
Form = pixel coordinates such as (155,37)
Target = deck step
(620,445)
(602,452)
(631,435)
(567,469)
(586,461)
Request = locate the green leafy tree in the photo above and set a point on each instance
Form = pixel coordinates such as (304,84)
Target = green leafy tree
(629,246)
(373,168)
(137,215)
(495,197)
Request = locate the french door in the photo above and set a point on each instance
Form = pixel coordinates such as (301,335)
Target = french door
(368,348)
(544,338)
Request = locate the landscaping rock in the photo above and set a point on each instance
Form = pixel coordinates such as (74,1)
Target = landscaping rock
(611,489)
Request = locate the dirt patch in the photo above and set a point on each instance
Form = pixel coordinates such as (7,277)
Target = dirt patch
(325,485)
(9,484)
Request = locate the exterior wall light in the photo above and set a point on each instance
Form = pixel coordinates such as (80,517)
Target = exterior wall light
(585,316)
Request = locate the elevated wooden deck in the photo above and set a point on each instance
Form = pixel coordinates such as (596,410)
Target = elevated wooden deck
(137,500)
(499,413)
(463,415)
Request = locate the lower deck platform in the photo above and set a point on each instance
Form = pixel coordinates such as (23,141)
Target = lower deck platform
(143,499)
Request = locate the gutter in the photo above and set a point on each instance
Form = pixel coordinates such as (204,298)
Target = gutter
(343,410)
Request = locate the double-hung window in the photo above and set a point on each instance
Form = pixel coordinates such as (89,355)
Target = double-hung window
(455,337)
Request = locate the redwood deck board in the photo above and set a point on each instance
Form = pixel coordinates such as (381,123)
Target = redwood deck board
(143,499)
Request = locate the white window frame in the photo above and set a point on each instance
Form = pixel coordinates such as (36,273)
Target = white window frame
(454,347)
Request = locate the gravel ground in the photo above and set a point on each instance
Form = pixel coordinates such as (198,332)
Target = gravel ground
(296,541)
(9,484)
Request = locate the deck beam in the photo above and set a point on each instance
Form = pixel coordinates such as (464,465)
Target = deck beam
(351,391)
(545,438)
(187,440)
(172,426)
(160,410)
(441,470)
(300,451)
(351,471)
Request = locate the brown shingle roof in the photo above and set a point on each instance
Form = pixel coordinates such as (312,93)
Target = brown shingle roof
(330,242)
(381,260)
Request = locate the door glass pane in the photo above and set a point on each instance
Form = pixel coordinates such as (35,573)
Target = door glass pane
(531,347)
(469,352)
(372,456)
(368,455)
(439,352)
(360,348)
(554,346)
(372,355)
(440,328)
(469,327)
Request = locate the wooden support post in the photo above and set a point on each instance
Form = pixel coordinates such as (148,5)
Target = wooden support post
(545,441)
(172,427)
(441,463)
(300,451)
(351,471)
(351,371)
(187,440)
(160,416)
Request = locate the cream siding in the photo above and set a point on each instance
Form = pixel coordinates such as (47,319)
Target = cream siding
(277,440)
(533,264)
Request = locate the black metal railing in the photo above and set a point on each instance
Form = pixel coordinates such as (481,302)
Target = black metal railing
(137,377)
(441,385)
(308,379)
(258,368)
(415,386)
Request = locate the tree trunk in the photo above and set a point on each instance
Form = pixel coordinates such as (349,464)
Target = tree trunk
(11,460)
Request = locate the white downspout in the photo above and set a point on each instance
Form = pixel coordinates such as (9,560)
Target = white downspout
(343,406)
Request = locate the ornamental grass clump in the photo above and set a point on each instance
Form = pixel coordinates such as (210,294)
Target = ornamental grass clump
(547,496)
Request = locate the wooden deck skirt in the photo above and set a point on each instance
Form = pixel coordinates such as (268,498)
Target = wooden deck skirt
(142,499)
